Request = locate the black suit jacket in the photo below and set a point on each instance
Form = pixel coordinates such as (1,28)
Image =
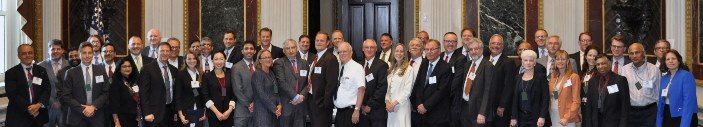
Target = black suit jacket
(153,90)
(73,93)
(121,100)
(375,94)
(213,92)
(434,96)
(481,97)
(615,105)
(186,95)
(276,52)
(505,68)
(18,94)
(576,56)
(537,91)
(324,84)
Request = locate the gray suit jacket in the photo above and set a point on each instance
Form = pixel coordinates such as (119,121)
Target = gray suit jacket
(287,80)
(544,61)
(242,89)
(73,93)
(46,64)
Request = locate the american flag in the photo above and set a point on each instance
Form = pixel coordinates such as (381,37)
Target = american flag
(96,25)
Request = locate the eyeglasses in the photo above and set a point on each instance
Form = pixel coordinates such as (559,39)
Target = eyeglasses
(585,40)
(205,45)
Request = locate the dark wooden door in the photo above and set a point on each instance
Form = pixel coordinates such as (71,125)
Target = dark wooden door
(364,19)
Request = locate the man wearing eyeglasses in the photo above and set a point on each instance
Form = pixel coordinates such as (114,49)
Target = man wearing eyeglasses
(206,55)
(455,60)
(174,59)
(541,40)
(661,47)
(584,41)
(617,48)
(430,95)
(553,45)
(108,53)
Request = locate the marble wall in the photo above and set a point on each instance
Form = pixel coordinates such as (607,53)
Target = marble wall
(497,17)
(638,20)
(219,16)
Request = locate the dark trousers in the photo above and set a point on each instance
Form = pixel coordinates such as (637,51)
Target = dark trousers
(642,116)
(676,121)
(503,121)
(127,120)
(527,119)
(97,120)
(319,116)
(343,118)
(169,118)
(375,118)
(417,119)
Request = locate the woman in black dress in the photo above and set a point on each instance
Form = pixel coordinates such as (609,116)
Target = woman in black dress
(191,104)
(531,97)
(124,95)
(217,89)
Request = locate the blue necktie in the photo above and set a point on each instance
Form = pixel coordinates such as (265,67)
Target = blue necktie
(429,72)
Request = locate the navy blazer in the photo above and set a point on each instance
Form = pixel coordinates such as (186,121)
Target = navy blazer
(682,97)
(433,95)
(18,95)
(73,93)
(153,90)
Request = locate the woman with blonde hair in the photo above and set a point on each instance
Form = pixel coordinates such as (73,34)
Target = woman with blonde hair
(400,86)
(565,92)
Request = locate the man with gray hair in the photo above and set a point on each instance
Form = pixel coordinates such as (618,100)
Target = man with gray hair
(375,71)
(154,38)
(350,92)
(291,74)
(473,87)
(554,45)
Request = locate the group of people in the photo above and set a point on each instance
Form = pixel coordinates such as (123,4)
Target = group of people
(402,84)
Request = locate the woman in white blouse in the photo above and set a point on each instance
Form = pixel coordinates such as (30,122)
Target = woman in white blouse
(400,86)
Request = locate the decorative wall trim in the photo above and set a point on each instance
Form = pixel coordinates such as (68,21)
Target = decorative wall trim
(305,17)
(184,42)
(540,16)
(38,34)
(417,16)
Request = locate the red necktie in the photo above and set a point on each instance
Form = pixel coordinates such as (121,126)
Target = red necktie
(616,67)
(109,71)
(295,70)
(446,58)
(366,68)
(251,69)
(314,62)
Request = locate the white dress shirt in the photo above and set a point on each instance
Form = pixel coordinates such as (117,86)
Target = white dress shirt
(204,59)
(304,56)
(108,69)
(648,76)
(447,56)
(173,62)
(621,62)
(138,61)
(312,65)
(349,84)
(476,63)
(385,56)
(542,52)
(99,59)
(494,59)
(416,66)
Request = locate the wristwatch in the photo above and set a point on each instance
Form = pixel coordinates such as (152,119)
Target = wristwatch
(356,108)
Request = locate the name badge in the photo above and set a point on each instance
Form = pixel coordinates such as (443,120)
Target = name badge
(568,83)
(472,76)
(586,78)
(452,69)
(665,92)
(523,96)
(194,84)
(228,65)
(433,80)
(584,100)
(318,70)
(135,88)
(303,73)
(369,77)
(36,80)
(99,79)
(613,89)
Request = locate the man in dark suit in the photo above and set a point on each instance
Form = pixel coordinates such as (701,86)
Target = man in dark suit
(156,84)
(304,51)
(617,48)
(108,53)
(584,41)
(242,87)
(174,59)
(28,88)
(475,86)
(502,87)
(232,52)
(265,35)
(85,91)
(322,82)
(610,102)
(456,60)
(451,55)
(135,52)
(290,73)
(541,41)
(154,38)
(385,54)
(53,65)
(374,104)
(430,96)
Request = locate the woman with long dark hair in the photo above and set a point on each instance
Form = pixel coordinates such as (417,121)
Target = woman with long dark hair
(124,95)
(588,70)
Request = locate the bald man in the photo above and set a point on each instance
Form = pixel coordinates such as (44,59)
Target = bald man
(643,80)
(541,40)
(153,38)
